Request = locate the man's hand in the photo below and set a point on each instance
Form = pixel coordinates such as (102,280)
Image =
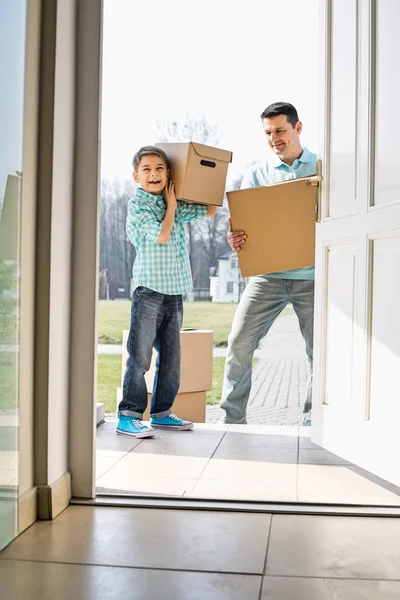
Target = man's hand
(236,239)
(169,195)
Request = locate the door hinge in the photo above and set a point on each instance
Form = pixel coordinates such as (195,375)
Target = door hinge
(315,181)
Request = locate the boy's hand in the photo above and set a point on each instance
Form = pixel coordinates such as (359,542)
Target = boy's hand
(169,195)
(236,239)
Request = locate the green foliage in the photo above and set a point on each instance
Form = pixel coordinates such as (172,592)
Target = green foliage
(9,302)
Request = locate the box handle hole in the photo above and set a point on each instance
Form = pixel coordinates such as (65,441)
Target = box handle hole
(208,163)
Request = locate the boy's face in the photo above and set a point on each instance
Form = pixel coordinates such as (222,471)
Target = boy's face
(152,174)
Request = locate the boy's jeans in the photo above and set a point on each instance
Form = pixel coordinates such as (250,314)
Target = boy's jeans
(261,303)
(156,320)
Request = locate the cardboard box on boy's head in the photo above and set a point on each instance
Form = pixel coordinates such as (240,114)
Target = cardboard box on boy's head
(198,171)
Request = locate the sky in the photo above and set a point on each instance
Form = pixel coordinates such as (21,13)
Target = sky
(222,59)
(12,63)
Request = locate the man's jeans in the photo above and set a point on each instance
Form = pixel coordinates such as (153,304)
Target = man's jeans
(156,320)
(262,301)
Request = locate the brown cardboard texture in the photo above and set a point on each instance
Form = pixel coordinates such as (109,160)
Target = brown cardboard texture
(279,221)
(196,361)
(191,406)
(198,171)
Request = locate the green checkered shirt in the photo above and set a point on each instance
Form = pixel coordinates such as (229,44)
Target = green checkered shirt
(164,268)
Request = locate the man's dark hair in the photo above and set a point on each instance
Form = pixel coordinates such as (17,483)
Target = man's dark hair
(281,108)
(149,151)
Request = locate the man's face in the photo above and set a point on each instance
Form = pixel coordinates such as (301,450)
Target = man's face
(152,174)
(281,136)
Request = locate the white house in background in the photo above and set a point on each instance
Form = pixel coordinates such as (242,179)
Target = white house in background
(227,285)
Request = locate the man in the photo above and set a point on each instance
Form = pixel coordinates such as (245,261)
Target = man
(267,295)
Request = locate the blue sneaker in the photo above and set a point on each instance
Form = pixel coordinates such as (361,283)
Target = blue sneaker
(307,419)
(171,422)
(133,428)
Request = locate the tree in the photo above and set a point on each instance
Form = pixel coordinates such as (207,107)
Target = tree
(9,282)
(188,129)
(116,252)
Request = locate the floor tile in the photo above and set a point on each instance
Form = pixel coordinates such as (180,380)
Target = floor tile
(49,581)
(155,486)
(9,459)
(294,588)
(241,451)
(261,441)
(109,440)
(107,425)
(201,443)
(7,476)
(212,426)
(319,456)
(272,473)
(288,431)
(305,439)
(8,420)
(340,484)
(375,479)
(144,466)
(251,480)
(201,541)
(9,442)
(105,463)
(334,547)
(7,430)
(243,490)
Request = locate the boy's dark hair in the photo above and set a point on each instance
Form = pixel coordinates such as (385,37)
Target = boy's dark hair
(146,151)
(281,108)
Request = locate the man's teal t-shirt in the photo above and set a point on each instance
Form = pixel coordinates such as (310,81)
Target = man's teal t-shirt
(273,171)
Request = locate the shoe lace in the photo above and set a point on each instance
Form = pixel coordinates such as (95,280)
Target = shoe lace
(137,423)
(174,417)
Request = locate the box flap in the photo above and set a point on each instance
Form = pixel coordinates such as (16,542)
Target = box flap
(211,152)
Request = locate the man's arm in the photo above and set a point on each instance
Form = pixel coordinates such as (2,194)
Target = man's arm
(236,239)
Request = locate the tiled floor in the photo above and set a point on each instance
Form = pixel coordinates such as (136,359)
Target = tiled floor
(104,553)
(234,462)
(8,450)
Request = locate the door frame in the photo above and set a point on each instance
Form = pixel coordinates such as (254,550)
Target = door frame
(85,250)
(84,289)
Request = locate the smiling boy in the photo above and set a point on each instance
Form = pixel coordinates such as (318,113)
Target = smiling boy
(161,274)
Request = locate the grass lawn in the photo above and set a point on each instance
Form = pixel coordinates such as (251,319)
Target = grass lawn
(113,317)
(109,378)
(8,380)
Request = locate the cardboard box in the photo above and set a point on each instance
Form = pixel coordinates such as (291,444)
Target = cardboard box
(198,171)
(196,361)
(279,221)
(191,406)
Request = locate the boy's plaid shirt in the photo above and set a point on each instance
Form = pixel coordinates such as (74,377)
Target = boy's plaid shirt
(164,268)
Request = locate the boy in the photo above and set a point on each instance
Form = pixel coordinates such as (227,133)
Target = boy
(161,274)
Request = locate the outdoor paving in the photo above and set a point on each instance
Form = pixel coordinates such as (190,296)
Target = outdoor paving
(279,377)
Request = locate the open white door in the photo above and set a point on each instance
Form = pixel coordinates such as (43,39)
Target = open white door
(356,404)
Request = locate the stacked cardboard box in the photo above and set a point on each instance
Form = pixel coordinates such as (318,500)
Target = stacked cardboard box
(196,374)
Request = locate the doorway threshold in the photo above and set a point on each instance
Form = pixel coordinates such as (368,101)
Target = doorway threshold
(173,503)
